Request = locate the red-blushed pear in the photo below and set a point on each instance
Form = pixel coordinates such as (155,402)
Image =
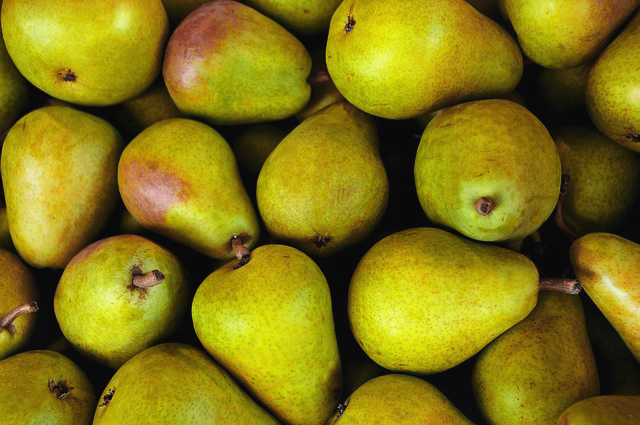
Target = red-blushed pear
(228,64)
(119,296)
(88,53)
(18,303)
(180,178)
(59,174)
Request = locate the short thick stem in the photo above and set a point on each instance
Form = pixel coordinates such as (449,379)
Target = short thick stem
(7,321)
(568,286)
(241,252)
(147,280)
(484,205)
(318,77)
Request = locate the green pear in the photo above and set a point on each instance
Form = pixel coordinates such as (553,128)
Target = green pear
(603,410)
(15,90)
(438,298)
(604,179)
(612,88)
(398,399)
(253,144)
(539,367)
(608,267)
(18,303)
(561,91)
(324,187)
(45,387)
(5,235)
(358,370)
(488,169)
(301,17)
(565,33)
(228,64)
(119,296)
(94,54)
(269,322)
(177,10)
(179,178)
(59,173)
(176,383)
(401,62)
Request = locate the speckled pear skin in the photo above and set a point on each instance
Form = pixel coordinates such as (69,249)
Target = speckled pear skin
(228,64)
(401,61)
(17,286)
(586,28)
(605,179)
(324,187)
(270,324)
(15,91)
(27,398)
(180,178)
(59,172)
(424,300)
(401,400)
(539,367)
(175,383)
(607,266)
(301,17)
(492,148)
(612,88)
(603,410)
(101,65)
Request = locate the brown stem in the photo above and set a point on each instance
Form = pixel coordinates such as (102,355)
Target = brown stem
(61,389)
(242,252)
(484,205)
(7,321)
(564,186)
(153,278)
(568,286)
(319,77)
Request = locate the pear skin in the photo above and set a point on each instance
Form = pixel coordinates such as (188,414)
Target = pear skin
(603,410)
(270,323)
(607,266)
(15,90)
(179,178)
(539,367)
(59,172)
(302,17)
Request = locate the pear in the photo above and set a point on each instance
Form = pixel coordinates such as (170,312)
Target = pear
(565,33)
(253,144)
(603,410)
(612,88)
(228,64)
(45,387)
(398,399)
(561,91)
(539,367)
(59,174)
(18,303)
(177,10)
(301,17)
(175,383)
(119,296)
(15,90)
(402,62)
(488,169)
(438,298)
(607,266)
(83,53)
(5,235)
(324,187)
(179,178)
(605,179)
(268,320)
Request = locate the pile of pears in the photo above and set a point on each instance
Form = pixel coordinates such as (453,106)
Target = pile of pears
(306,212)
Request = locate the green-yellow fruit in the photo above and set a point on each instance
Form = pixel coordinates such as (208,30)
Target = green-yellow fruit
(14,90)
(603,410)
(301,17)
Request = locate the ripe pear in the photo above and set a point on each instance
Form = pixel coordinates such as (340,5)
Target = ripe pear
(565,33)
(45,387)
(301,17)
(603,410)
(324,187)
(437,298)
(612,88)
(270,323)
(15,90)
(539,367)
(608,267)
(488,169)
(561,91)
(93,54)
(398,399)
(402,62)
(179,178)
(228,64)
(175,383)
(119,296)
(177,10)
(253,144)
(59,173)
(605,179)
(18,303)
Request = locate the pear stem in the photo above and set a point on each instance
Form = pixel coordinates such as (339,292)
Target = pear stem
(568,286)
(153,278)
(484,205)
(319,77)
(6,321)
(564,186)
(242,252)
